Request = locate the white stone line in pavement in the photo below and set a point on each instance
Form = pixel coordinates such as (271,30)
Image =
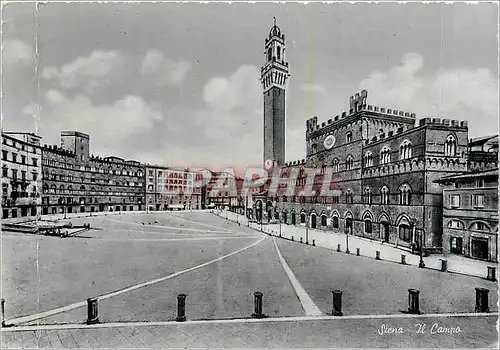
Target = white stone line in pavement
(308,305)
(196,222)
(210,233)
(30,318)
(169,227)
(169,239)
(239,320)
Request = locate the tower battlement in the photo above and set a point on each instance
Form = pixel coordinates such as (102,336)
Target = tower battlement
(358,106)
(452,123)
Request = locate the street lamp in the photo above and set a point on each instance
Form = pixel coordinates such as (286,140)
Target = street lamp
(421,263)
(279,219)
(347,239)
(307,228)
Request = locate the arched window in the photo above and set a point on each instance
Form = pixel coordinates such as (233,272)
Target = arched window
(479,226)
(349,163)
(456,224)
(348,137)
(45,188)
(405,195)
(368,159)
(405,150)
(82,188)
(302,218)
(314,148)
(450,146)
(384,195)
(278,53)
(269,54)
(367,196)
(336,165)
(61,189)
(385,155)
(70,189)
(53,188)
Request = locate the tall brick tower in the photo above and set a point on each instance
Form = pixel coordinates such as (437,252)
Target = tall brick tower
(274,77)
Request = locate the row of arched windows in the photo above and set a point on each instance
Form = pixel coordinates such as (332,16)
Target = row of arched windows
(404,227)
(406,151)
(100,169)
(405,195)
(476,225)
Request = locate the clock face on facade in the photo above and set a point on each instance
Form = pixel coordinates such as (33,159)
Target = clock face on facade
(329,141)
(268,164)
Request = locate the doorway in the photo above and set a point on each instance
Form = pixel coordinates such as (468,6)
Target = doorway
(385,231)
(479,248)
(313,221)
(348,225)
(293,219)
(456,245)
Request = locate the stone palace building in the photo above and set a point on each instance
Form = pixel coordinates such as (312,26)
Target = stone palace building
(384,164)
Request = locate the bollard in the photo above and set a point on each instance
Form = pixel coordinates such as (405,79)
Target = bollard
(314,243)
(301,240)
(357,251)
(338,247)
(337,303)
(413,301)
(292,238)
(492,273)
(92,317)
(482,300)
(181,308)
(307,242)
(403,259)
(258,305)
(444,265)
(377,255)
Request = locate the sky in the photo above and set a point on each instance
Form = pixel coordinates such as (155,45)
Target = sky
(178,84)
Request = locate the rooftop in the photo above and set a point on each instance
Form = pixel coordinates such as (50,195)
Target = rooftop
(480,174)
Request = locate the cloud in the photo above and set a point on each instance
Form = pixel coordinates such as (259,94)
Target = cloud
(111,123)
(463,93)
(89,72)
(241,89)
(312,87)
(227,131)
(164,71)
(17,52)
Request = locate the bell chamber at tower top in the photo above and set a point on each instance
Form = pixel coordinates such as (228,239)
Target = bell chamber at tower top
(275,71)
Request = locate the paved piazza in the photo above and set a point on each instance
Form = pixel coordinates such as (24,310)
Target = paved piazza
(137,264)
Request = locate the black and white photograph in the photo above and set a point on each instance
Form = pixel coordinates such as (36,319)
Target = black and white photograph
(249,175)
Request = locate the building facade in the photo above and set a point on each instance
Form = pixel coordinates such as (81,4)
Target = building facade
(224,191)
(21,176)
(75,181)
(381,164)
(482,153)
(274,77)
(171,189)
(470,215)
